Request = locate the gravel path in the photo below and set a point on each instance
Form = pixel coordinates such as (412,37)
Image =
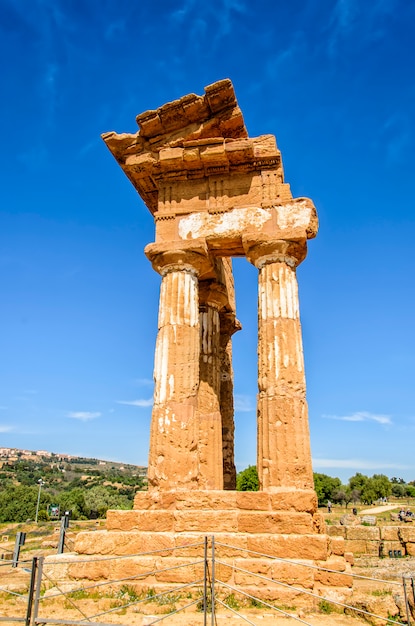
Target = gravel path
(378,509)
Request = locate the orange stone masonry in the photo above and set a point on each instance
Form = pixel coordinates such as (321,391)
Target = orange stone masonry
(216,193)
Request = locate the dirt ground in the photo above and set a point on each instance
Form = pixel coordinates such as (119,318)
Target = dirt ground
(382,598)
(376,597)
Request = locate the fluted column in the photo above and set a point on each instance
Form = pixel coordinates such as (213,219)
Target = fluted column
(228,326)
(173,457)
(212,297)
(284,456)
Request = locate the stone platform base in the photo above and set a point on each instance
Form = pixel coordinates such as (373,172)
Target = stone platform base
(167,530)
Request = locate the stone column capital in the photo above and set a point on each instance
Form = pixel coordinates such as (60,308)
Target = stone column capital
(192,256)
(262,250)
(229,324)
(213,294)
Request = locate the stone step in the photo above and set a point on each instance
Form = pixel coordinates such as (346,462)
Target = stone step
(244,521)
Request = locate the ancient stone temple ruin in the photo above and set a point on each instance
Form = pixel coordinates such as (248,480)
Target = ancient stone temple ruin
(215,193)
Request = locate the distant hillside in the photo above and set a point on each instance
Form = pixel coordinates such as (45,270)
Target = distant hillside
(86,486)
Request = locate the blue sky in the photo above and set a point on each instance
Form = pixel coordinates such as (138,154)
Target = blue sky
(332,80)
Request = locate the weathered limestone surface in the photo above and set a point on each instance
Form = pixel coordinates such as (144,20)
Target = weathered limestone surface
(216,193)
(367,540)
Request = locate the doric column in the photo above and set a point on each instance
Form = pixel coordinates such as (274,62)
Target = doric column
(228,326)
(212,297)
(284,457)
(173,457)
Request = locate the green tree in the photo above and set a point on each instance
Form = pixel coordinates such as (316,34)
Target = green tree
(74,501)
(358,481)
(410,491)
(18,502)
(325,487)
(247,480)
(398,490)
(343,495)
(381,485)
(369,494)
(100,499)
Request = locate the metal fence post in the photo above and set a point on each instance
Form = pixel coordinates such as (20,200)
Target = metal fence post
(413,590)
(37,589)
(405,595)
(64,526)
(20,541)
(31,591)
(205,577)
(212,588)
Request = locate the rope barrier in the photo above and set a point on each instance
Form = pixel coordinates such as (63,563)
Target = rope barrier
(316,567)
(124,556)
(264,602)
(306,592)
(128,578)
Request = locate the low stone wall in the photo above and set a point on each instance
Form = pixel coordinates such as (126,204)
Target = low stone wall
(367,539)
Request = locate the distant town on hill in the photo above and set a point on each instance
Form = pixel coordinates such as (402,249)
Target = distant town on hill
(87,487)
(52,458)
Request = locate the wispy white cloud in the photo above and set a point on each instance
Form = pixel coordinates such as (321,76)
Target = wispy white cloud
(357,464)
(35,157)
(4,428)
(350,18)
(361,416)
(115,29)
(396,134)
(210,19)
(83,416)
(285,56)
(141,402)
(244,404)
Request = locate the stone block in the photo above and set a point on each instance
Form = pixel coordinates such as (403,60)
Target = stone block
(253,500)
(389,533)
(407,534)
(410,549)
(349,557)
(142,501)
(335,563)
(205,521)
(175,570)
(188,545)
(333,579)
(289,597)
(337,545)
(57,566)
(162,543)
(336,531)
(356,546)
(391,545)
(283,523)
(247,570)
(294,500)
(290,546)
(232,545)
(206,500)
(372,548)
(101,542)
(334,572)
(298,574)
(141,568)
(140,520)
(224,571)
(97,569)
(362,533)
